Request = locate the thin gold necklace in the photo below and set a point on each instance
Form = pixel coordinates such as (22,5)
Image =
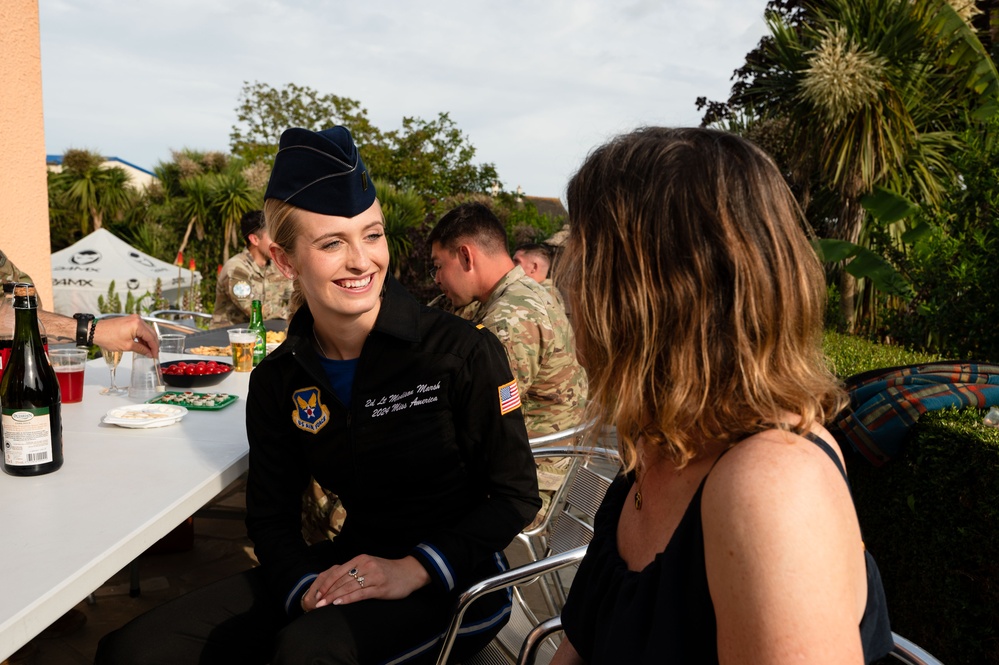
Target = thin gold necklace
(319,344)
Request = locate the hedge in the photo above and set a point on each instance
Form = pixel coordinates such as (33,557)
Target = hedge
(930,518)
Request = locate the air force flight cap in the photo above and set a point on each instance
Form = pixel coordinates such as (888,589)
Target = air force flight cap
(321,172)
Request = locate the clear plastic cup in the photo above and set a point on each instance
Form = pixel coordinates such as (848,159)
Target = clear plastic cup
(172,342)
(242,341)
(69,365)
(146,380)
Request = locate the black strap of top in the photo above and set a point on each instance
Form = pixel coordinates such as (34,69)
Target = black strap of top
(827,449)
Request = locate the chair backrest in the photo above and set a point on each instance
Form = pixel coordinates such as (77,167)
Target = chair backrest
(194,321)
(911,653)
(534,538)
(510,578)
(562,437)
(571,528)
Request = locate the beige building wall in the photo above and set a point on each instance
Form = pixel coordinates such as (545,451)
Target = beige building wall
(24,212)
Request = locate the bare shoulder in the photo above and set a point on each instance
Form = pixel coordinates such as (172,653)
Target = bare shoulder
(774,465)
(779,483)
(783,551)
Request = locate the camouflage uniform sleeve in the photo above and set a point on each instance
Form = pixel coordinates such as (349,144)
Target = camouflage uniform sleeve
(229,309)
(276,293)
(240,289)
(10,273)
(521,338)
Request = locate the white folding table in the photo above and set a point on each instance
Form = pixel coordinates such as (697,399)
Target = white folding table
(64,534)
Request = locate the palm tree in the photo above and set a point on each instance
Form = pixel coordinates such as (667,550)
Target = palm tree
(92,191)
(195,206)
(873,93)
(403,210)
(231,197)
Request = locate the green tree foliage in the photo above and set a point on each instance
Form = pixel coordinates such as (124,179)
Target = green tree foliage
(231,199)
(954,268)
(88,192)
(433,158)
(263,112)
(194,207)
(869,93)
(404,211)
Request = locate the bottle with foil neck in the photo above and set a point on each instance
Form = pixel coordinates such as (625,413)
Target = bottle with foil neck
(30,406)
(6,324)
(257,326)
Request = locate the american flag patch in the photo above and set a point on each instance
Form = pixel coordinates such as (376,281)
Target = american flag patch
(509,397)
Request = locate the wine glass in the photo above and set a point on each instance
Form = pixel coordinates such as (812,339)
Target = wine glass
(112,358)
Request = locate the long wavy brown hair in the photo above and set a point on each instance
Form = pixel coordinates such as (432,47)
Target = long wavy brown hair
(696,296)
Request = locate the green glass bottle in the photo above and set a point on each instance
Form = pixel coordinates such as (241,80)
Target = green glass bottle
(257,326)
(30,405)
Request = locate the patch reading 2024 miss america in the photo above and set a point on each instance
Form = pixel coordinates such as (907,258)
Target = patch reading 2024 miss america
(420,395)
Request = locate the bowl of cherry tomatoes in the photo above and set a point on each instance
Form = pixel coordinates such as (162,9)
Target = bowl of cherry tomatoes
(194,373)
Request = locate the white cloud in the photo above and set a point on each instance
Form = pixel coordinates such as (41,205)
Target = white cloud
(535,86)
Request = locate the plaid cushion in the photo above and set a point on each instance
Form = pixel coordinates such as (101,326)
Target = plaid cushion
(885,403)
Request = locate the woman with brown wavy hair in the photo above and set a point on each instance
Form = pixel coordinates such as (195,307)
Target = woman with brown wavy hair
(698,305)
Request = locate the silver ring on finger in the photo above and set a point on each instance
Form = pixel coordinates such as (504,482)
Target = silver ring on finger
(353,573)
(360,580)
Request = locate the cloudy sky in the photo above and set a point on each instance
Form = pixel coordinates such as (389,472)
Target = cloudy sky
(534,84)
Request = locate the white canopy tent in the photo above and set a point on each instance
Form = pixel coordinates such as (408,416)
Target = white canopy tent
(83,271)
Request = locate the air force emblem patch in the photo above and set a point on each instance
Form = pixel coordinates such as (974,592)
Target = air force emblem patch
(310,414)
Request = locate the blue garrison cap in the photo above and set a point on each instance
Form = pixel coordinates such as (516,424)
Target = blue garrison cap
(321,172)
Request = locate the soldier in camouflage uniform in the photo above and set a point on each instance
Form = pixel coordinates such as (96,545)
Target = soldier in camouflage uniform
(249,276)
(536,260)
(471,265)
(10,273)
(126,333)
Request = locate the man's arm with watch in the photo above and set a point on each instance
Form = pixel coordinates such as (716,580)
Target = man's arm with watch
(120,333)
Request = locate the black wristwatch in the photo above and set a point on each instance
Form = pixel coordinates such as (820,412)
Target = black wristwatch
(84,329)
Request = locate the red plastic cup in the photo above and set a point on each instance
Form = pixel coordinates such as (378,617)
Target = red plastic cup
(69,365)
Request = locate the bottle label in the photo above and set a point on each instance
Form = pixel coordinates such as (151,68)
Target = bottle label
(27,436)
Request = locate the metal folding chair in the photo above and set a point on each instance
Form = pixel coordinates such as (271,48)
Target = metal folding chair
(534,538)
(911,653)
(194,321)
(570,530)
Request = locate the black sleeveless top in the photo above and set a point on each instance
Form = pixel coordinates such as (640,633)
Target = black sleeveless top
(664,614)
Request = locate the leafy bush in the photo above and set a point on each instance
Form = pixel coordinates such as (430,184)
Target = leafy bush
(929,518)
(953,268)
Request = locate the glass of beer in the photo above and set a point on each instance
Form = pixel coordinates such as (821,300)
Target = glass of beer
(68,365)
(242,340)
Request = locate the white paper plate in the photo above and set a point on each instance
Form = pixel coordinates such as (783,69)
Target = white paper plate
(142,416)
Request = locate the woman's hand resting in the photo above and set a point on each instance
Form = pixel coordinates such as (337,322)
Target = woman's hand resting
(365,577)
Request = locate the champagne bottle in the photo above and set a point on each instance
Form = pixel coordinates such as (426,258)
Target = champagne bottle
(257,326)
(6,324)
(30,406)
